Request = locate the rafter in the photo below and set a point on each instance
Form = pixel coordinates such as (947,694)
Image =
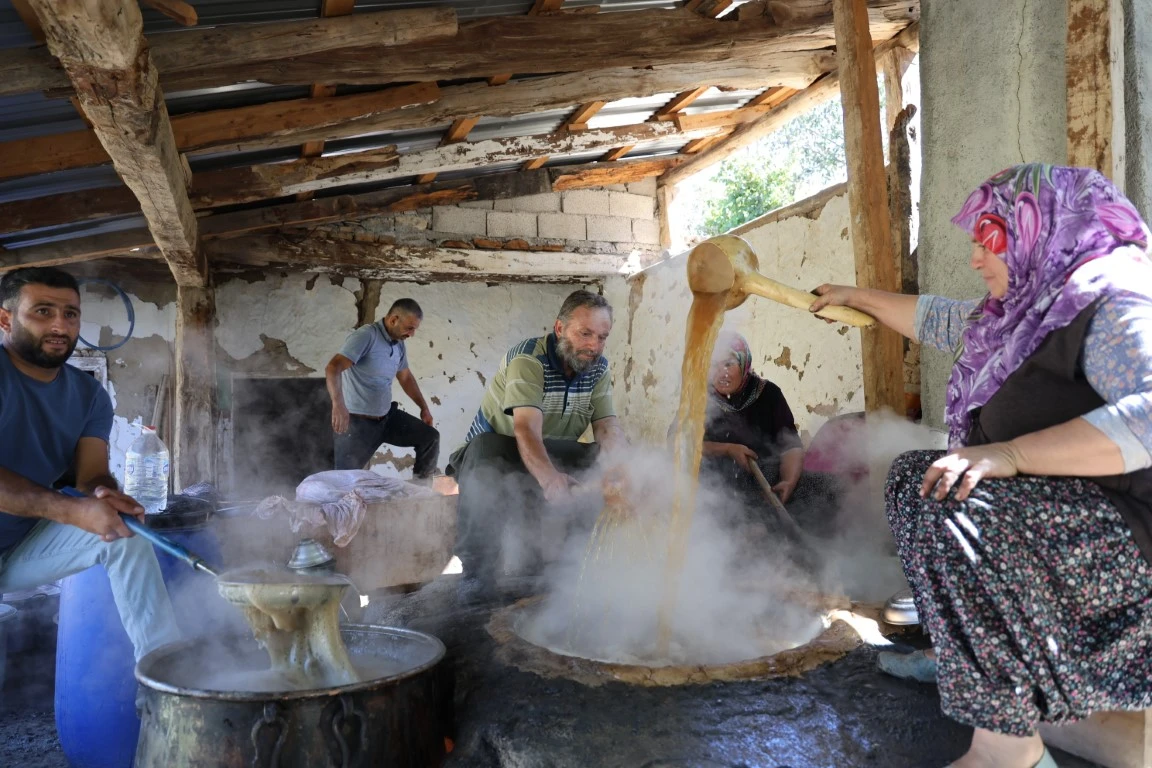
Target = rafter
(202,58)
(101,45)
(274,124)
(77,207)
(798,104)
(328,9)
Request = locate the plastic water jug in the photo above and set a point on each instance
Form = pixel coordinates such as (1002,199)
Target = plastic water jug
(146,468)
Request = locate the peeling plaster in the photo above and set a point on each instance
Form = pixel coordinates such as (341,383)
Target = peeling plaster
(801,250)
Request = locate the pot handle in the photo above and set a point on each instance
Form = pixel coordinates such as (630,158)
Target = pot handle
(269,720)
(335,716)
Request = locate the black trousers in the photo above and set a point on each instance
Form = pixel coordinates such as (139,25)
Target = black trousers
(814,504)
(355,447)
(501,503)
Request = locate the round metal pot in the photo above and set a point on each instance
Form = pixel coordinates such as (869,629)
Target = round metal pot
(400,720)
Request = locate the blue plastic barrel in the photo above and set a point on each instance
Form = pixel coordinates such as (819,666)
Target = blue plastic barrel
(95,686)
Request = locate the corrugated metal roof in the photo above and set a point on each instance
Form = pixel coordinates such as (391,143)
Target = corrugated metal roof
(31,115)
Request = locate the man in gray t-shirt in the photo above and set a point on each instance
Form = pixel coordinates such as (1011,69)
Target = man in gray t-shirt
(360,383)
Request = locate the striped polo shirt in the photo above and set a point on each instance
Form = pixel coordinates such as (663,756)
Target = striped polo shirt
(532,375)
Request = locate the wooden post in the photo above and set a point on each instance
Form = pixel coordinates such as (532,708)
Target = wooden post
(194,452)
(1089,77)
(883,349)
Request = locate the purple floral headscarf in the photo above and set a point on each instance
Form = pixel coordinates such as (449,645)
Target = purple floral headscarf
(1066,232)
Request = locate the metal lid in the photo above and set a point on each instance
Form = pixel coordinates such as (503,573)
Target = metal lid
(181,512)
(7,613)
(310,553)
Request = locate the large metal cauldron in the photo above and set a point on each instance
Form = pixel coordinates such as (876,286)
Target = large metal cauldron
(398,720)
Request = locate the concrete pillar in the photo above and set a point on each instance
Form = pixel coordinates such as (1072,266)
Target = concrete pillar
(1138,103)
(993,93)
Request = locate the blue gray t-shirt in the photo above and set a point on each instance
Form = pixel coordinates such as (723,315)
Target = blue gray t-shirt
(378,358)
(40,425)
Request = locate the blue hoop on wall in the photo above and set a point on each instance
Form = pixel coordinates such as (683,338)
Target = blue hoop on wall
(127,307)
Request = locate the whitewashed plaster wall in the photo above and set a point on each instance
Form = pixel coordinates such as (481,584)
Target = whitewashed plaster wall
(135,366)
(291,325)
(817,365)
(467,329)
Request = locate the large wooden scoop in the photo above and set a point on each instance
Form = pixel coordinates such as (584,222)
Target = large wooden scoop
(726,264)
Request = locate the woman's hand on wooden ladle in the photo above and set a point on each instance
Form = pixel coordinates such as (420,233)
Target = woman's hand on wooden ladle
(831,295)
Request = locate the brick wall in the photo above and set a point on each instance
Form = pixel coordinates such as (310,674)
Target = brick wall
(616,219)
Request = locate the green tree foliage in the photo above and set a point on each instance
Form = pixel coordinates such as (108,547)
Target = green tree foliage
(750,189)
(801,158)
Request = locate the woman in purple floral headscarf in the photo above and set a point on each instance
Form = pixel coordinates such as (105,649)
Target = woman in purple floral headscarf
(1028,543)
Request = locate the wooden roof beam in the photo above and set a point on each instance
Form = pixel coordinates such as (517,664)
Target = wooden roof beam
(268,125)
(822,90)
(177,10)
(101,45)
(262,182)
(882,349)
(139,243)
(328,9)
(348,49)
(1089,75)
(321,253)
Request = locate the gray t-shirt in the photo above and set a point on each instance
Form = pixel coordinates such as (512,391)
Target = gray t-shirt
(377,358)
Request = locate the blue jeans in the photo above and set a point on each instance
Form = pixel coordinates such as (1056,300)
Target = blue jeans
(52,551)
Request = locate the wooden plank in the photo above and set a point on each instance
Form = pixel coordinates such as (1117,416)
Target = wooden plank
(501,186)
(814,95)
(319,253)
(28,16)
(1088,73)
(459,130)
(882,349)
(664,198)
(177,10)
(244,185)
(678,102)
(77,149)
(583,114)
(604,175)
(894,65)
(328,9)
(286,123)
(194,452)
(138,242)
(617,153)
(101,45)
(535,163)
(204,57)
(697,146)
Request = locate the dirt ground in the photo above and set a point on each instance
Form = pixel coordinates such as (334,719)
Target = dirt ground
(843,714)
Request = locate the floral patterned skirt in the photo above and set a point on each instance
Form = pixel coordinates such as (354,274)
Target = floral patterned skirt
(1037,599)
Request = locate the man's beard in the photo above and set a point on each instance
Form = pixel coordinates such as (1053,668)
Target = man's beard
(567,352)
(28,348)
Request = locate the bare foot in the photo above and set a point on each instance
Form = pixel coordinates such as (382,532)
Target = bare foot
(996,750)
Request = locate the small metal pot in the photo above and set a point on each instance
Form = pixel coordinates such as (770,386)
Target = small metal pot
(400,720)
(900,610)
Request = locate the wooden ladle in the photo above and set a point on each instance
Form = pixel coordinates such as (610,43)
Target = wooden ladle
(727,264)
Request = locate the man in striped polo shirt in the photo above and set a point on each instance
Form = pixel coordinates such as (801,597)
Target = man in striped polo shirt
(523,445)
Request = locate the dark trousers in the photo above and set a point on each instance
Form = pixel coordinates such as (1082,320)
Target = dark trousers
(501,502)
(365,434)
(814,505)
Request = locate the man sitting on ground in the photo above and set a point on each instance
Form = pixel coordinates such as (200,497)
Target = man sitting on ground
(523,444)
(54,417)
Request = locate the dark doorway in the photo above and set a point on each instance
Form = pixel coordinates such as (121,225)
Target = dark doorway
(282,432)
